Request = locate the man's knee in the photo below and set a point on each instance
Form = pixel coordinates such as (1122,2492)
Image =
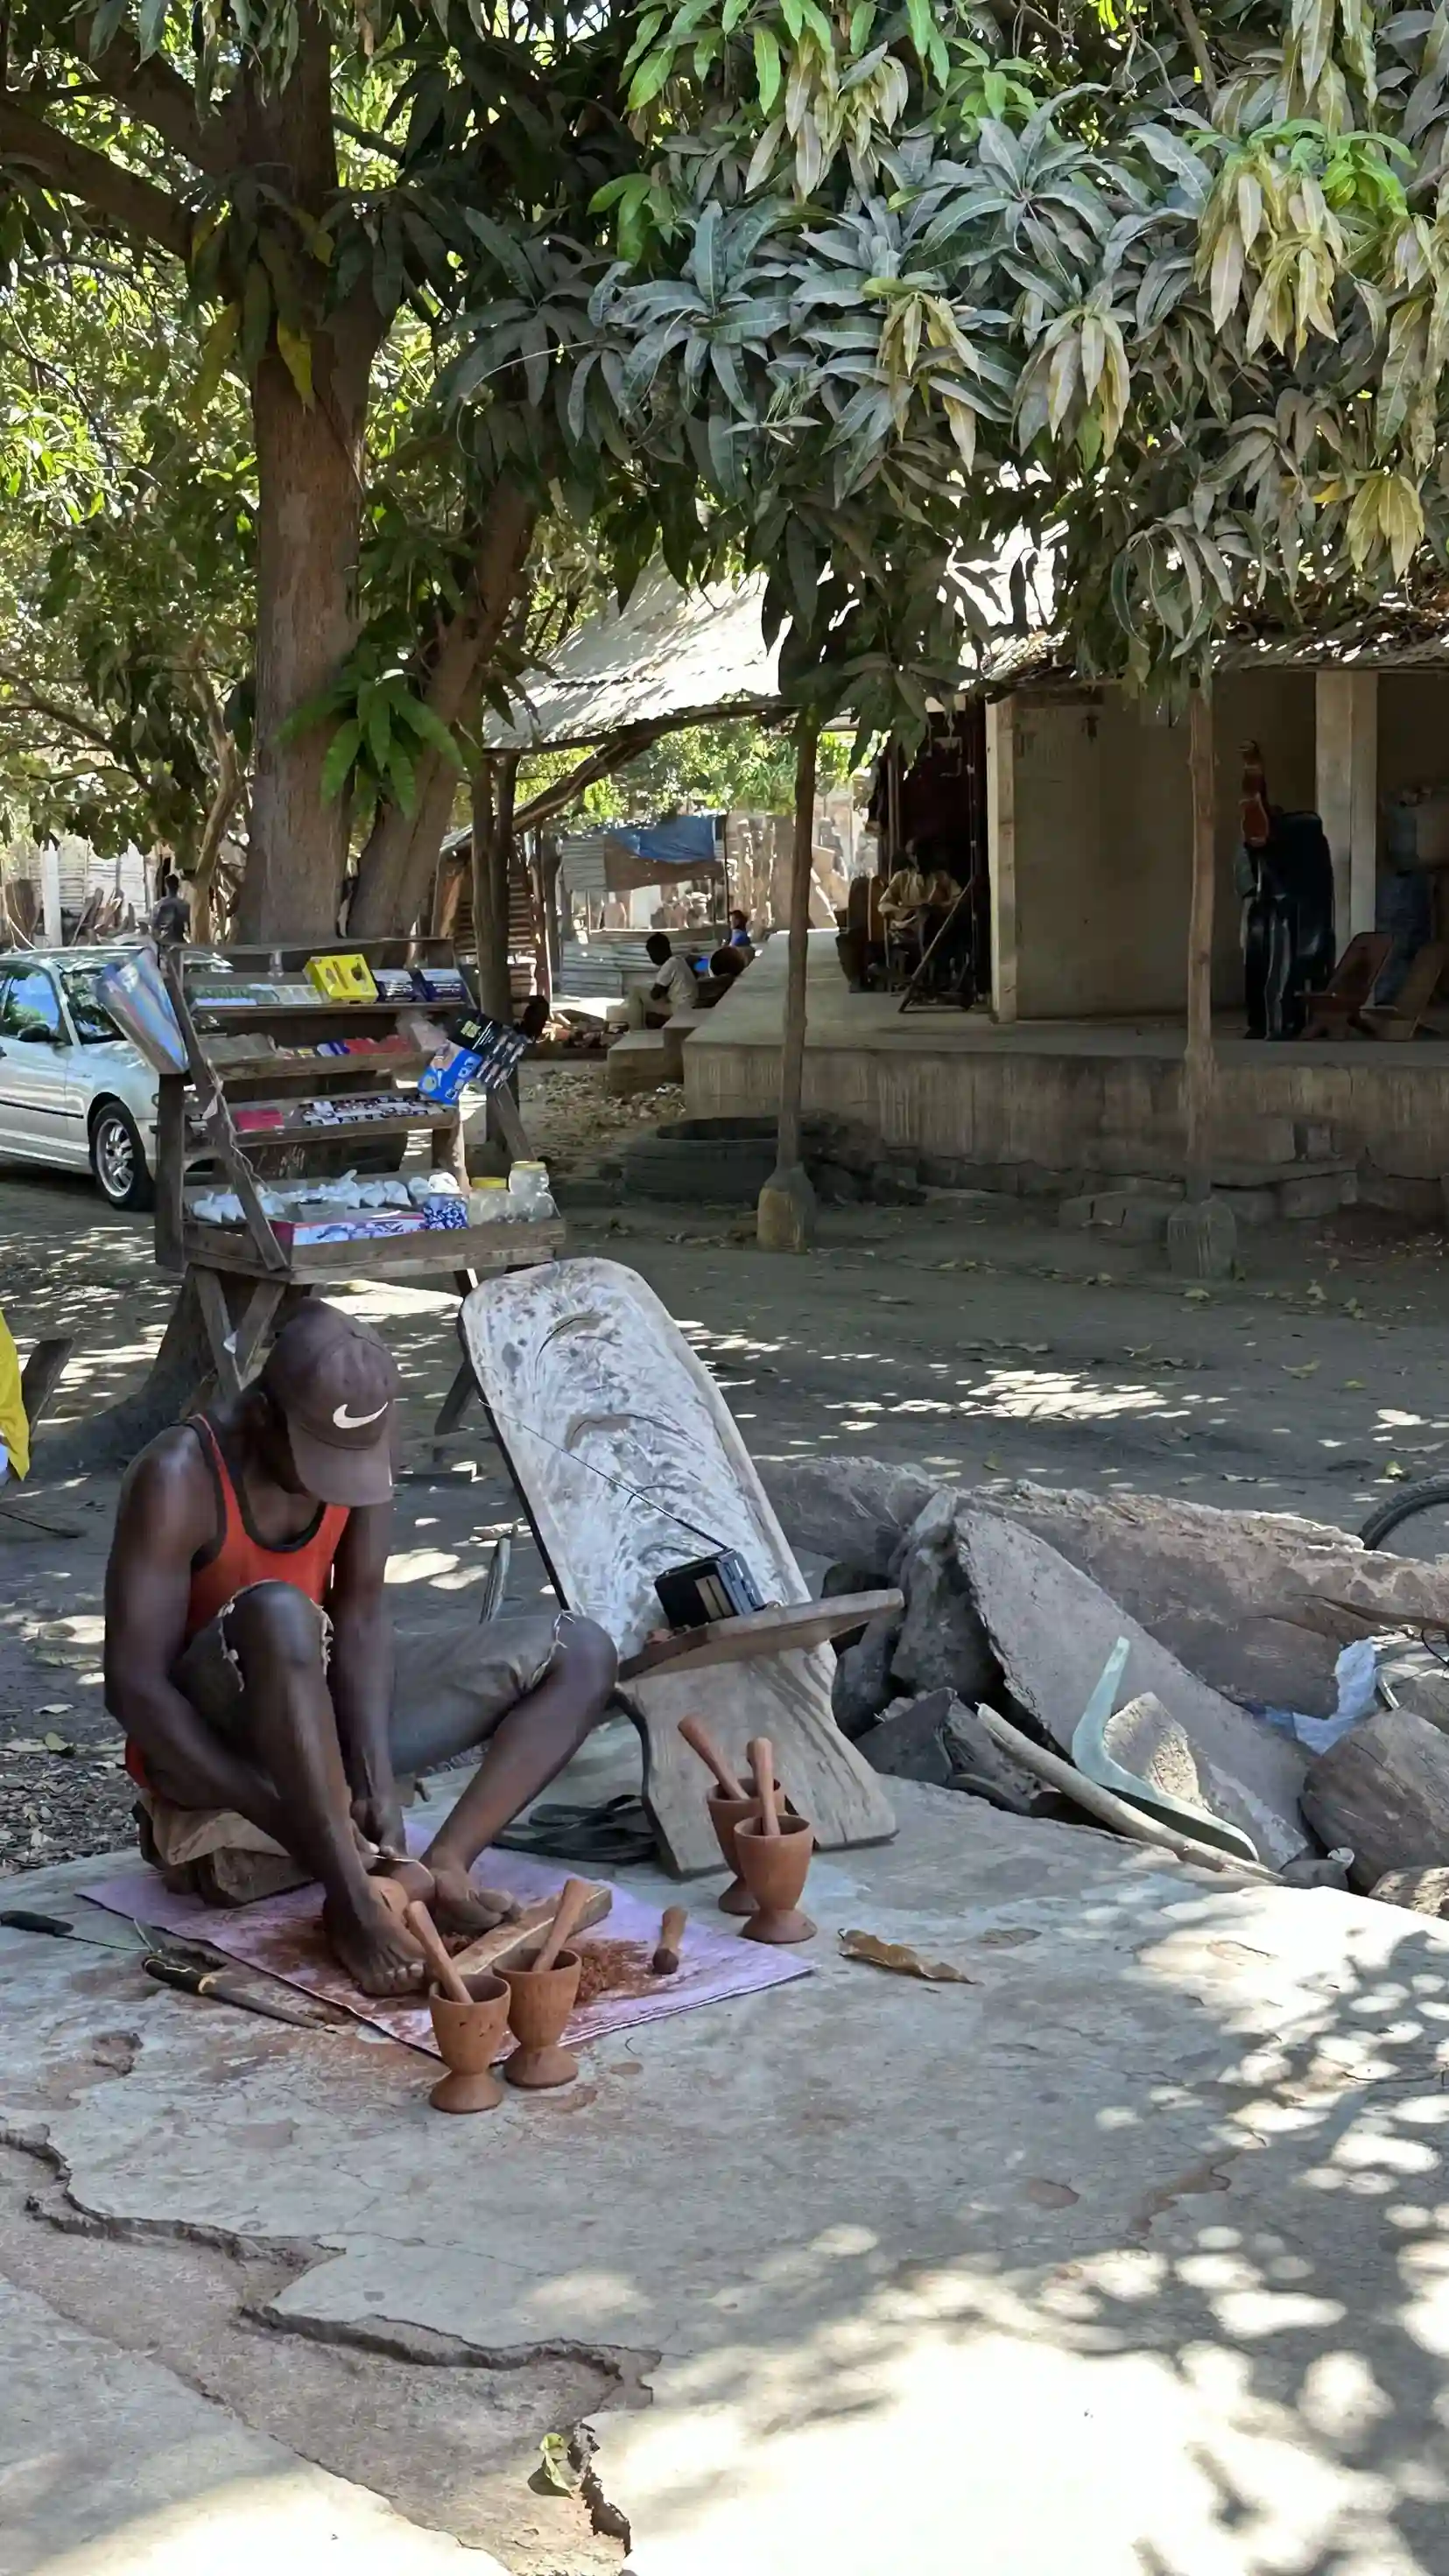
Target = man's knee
(277,1620)
(588,1661)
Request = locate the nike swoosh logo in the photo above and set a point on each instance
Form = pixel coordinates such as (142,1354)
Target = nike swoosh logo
(346,1421)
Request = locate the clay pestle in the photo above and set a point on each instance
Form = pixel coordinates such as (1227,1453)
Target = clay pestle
(574,1895)
(761,1757)
(697,1736)
(425,1932)
(665,1962)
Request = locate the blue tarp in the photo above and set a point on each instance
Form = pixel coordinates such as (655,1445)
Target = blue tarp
(688,837)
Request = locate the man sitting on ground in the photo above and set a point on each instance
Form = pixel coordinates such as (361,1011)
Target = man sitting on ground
(677,987)
(249,1651)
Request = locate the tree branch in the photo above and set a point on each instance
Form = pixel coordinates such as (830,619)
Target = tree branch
(143,211)
(156,94)
(614,754)
(68,717)
(1191,28)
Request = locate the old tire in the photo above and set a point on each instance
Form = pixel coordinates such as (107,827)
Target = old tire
(1431,1494)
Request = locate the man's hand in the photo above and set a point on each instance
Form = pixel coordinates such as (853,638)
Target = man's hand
(378,1814)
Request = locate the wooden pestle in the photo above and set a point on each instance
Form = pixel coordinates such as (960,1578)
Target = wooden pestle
(697,1736)
(665,1962)
(573,1897)
(761,1757)
(425,1932)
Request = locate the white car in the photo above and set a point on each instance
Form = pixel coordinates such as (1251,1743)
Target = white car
(74,1093)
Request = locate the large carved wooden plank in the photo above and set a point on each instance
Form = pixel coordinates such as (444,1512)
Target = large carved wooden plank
(628,1462)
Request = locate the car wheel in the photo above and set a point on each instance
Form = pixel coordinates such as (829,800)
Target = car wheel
(118,1158)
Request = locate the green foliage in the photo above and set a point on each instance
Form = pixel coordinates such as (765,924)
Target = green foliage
(378,723)
(124,543)
(702,769)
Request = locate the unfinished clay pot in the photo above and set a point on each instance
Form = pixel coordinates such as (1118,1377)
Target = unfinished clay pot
(774,1868)
(538,2009)
(468,2037)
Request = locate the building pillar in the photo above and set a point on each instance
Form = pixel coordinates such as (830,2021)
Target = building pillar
(1346,753)
(50,893)
(1001,853)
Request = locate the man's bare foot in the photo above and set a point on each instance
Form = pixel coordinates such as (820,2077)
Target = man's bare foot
(412,1876)
(459,1906)
(377,1952)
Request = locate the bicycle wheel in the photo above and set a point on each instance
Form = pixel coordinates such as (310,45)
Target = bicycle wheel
(1426,1507)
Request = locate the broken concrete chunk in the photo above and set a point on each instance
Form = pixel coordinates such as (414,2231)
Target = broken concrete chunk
(862,1684)
(907,1742)
(942,1643)
(857,1509)
(1053,1629)
(979,1766)
(1258,1603)
(1422,1891)
(1383,1788)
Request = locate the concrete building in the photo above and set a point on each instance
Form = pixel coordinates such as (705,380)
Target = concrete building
(1073,1074)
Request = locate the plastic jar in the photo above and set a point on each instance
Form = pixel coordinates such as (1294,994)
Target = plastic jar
(488,1200)
(529,1192)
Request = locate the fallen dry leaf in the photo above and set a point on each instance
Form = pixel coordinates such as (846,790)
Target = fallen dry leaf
(904,1961)
(1307,1370)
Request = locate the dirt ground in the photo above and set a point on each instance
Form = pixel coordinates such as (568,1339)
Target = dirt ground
(969,1335)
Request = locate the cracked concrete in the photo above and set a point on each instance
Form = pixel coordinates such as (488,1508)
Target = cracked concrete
(1129,2251)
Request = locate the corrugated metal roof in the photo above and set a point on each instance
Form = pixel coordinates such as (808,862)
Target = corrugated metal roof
(674,657)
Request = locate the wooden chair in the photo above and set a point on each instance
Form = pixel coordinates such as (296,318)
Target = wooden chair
(1334,1012)
(628,1463)
(1399,1020)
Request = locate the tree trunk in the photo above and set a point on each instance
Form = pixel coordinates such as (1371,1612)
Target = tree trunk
(308,521)
(1197,1062)
(787,1201)
(309,516)
(402,849)
(181,1368)
(792,1052)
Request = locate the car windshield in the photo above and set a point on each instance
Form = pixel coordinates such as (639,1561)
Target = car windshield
(93,1024)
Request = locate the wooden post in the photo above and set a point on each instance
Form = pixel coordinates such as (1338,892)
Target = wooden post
(787,1202)
(1202,1233)
(1197,1062)
(491,842)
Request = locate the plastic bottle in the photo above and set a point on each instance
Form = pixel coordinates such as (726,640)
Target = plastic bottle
(529,1192)
(488,1201)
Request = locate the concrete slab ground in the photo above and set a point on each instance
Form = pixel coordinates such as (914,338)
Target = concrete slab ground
(1127,2255)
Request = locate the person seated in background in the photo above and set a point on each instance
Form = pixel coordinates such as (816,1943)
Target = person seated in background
(860,945)
(675,988)
(740,933)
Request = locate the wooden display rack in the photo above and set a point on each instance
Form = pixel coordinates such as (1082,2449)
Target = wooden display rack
(242,1274)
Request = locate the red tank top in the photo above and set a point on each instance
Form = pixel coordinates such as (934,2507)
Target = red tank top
(241,1559)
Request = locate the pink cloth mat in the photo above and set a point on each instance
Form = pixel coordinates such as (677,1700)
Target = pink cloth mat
(281,1935)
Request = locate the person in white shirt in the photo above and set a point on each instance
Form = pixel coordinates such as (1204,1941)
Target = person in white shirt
(676,987)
